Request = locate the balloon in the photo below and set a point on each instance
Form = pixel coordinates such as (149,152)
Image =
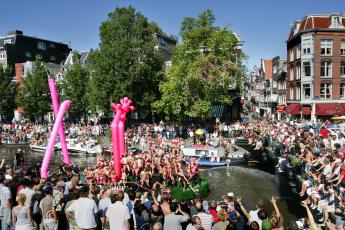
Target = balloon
(55,102)
(50,148)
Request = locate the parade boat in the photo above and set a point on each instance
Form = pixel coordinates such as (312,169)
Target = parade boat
(85,147)
(209,156)
(41,148)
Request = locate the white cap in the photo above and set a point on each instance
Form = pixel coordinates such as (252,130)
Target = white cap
(230,194)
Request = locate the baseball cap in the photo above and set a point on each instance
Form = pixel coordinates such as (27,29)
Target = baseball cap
(230,194)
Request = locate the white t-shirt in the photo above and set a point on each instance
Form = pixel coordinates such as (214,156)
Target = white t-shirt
(104,203)
(117,214)
(84,212)
(254,217)
(28,192)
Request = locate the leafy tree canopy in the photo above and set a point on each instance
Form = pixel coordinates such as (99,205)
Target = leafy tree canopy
(75,85)
(34,96)
(7,92)
(204,67)
(126,63)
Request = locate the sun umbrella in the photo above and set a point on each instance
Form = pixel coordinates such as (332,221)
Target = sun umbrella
(339,118)
(200,131)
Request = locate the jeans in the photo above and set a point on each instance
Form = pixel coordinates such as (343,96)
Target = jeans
(5,226)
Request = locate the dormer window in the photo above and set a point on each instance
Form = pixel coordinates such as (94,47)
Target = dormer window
(336,22)
(297,24)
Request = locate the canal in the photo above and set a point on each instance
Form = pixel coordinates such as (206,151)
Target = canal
(251,183)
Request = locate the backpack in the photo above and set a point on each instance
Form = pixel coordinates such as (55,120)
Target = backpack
(35,206)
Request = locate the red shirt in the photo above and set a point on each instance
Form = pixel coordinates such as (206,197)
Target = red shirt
(343,174)
(214,213)
(324,133)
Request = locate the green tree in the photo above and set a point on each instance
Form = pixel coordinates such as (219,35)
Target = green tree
(34,95)
(7,93)
(204,67)
(74,87)
(126,63)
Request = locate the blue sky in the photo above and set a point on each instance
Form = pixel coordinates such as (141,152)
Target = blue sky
(263,25)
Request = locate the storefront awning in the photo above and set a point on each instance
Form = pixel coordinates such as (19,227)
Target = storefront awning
(306,110)
(280,108)
(293,109)
(330,109)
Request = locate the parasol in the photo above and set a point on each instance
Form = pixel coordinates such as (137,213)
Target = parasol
(200,131)
(339,117)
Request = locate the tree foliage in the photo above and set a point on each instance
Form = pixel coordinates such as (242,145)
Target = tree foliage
(74,87)
(34,96)
(204,67)
(126,63)
(7,92)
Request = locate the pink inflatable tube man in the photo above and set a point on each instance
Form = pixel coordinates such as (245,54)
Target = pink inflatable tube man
(55,102)
(50,148)
(117,131)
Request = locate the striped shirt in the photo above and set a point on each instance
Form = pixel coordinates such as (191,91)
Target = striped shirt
(206,220)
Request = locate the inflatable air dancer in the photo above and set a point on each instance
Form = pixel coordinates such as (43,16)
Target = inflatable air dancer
(57,129)
(118,133)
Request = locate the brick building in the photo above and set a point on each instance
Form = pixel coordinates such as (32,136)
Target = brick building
(315,85)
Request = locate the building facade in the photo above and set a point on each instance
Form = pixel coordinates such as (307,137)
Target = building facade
(165,45)
(279,68)
(315,85)
(15,47)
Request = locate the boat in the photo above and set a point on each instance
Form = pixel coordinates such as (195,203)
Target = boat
(40,148)
(87,147)
(209,156)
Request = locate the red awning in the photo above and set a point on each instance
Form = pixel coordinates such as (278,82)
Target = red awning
(306,110)
(330,109)
(293,109)
(280,108)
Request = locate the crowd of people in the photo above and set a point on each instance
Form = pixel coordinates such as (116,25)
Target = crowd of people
(79,197)
(26,132)
(318,154)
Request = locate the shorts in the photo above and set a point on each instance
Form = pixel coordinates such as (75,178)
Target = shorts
(339,220)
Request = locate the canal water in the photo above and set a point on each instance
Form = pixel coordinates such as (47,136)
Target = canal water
(247,182)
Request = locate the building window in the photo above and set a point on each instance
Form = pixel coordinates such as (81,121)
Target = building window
(326,91)
(291,72)
(52,58)
(298,70)
(326,69)
(336,22)
(307,44)
(326,46)
(28,54)
(342,90)
(7,41)
(161,41)
(306,91)
(342,68)
(291,55)
(307,69)
(2,55)
(298,92)
(291,92)
(299,51)
(41,45)
(52,45)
